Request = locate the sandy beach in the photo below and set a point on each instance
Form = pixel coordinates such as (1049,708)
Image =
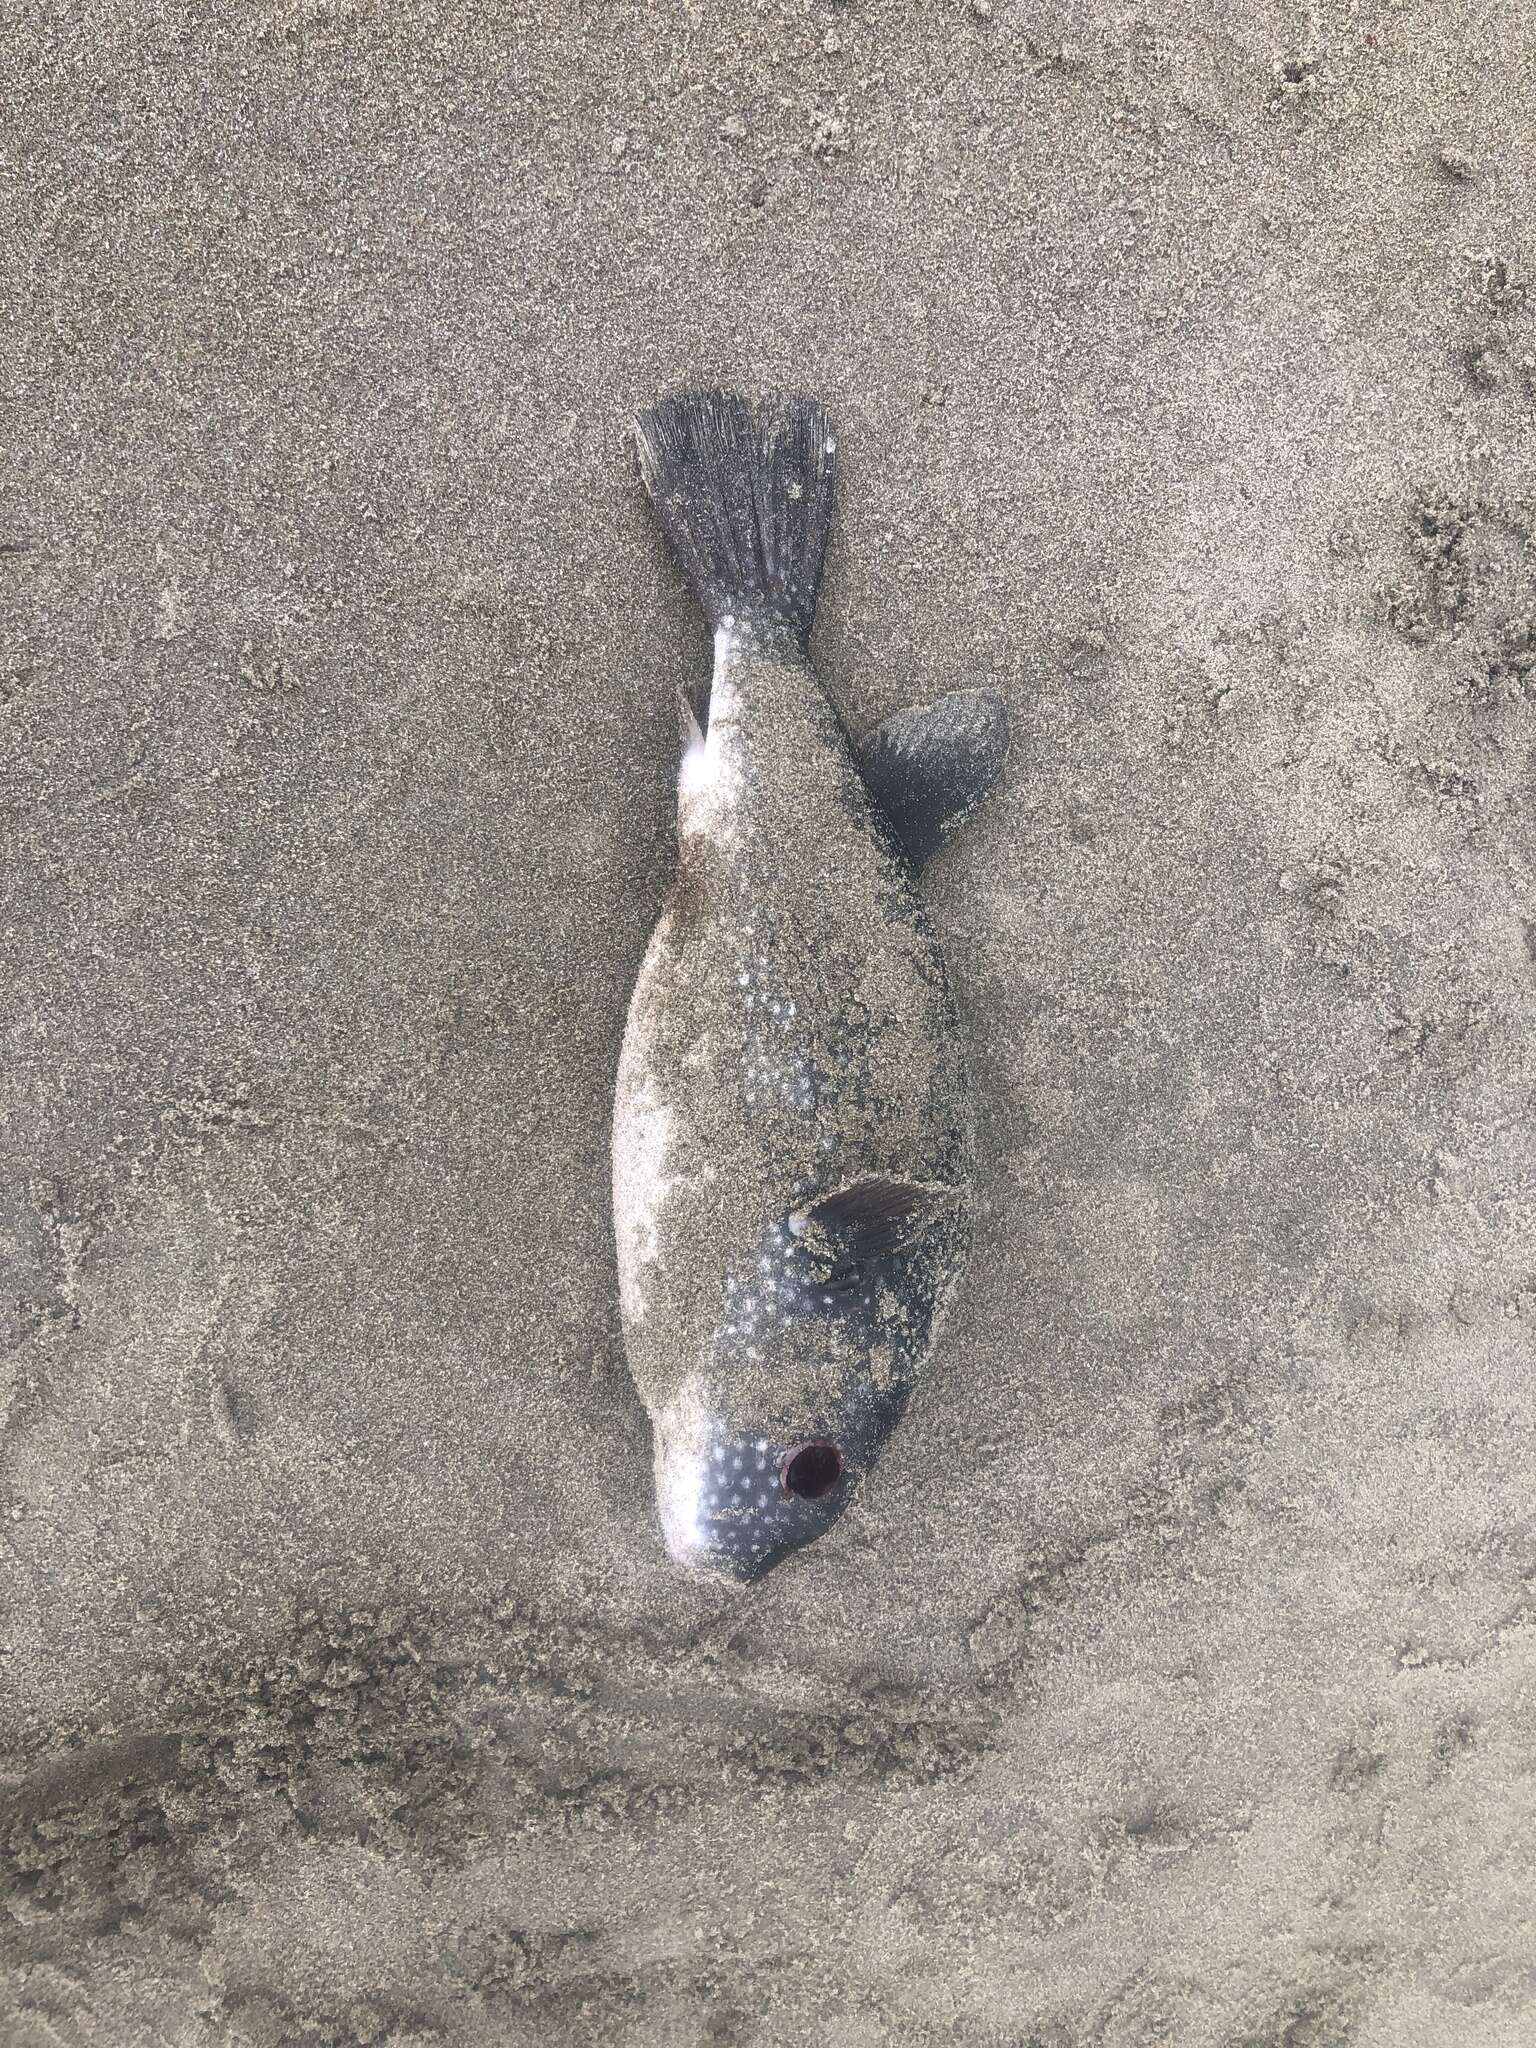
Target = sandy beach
(1171,1681)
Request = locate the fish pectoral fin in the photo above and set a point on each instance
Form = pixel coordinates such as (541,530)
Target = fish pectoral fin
(928,767)
(870,1218)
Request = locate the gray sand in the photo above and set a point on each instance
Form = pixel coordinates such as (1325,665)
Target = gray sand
(1173,1681)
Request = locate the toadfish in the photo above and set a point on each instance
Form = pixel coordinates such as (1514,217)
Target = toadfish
(792,1131)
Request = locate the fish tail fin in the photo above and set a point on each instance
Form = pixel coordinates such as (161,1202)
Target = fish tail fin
(744,496)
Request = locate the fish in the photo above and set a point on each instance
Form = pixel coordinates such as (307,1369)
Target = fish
(793,1124)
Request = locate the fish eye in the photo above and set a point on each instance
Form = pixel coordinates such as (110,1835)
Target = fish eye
(812,1470)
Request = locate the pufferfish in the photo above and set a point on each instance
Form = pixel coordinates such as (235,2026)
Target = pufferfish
(793,1126)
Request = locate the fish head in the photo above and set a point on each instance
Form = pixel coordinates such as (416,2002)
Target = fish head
(831,1310)
(734,1502)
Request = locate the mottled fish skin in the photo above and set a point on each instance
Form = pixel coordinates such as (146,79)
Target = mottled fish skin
(792,1037)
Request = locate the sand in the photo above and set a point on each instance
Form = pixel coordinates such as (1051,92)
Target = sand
(1173,1680)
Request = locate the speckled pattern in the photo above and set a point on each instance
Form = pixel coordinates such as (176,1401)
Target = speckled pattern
(1170,1681)
(792,1035)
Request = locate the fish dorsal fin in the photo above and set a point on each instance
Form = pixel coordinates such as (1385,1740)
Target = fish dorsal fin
(929,767)
(870,1218)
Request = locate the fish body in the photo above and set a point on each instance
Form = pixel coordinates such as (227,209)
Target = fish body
(793,1127)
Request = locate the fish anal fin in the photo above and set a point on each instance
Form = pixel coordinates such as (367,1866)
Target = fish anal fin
(690,726)
(928,767)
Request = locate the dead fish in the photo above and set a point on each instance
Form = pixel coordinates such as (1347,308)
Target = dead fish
(793,1129)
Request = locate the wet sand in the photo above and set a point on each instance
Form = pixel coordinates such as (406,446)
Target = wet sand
(1171,1681)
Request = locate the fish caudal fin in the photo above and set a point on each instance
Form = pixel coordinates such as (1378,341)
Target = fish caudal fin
(744,496)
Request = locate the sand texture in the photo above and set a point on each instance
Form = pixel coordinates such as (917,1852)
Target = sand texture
(1175,1679)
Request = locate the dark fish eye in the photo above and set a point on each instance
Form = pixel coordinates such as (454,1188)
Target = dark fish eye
(812,1470)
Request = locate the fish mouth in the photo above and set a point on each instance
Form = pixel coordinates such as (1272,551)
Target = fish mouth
(810,1471)
(739,1510)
